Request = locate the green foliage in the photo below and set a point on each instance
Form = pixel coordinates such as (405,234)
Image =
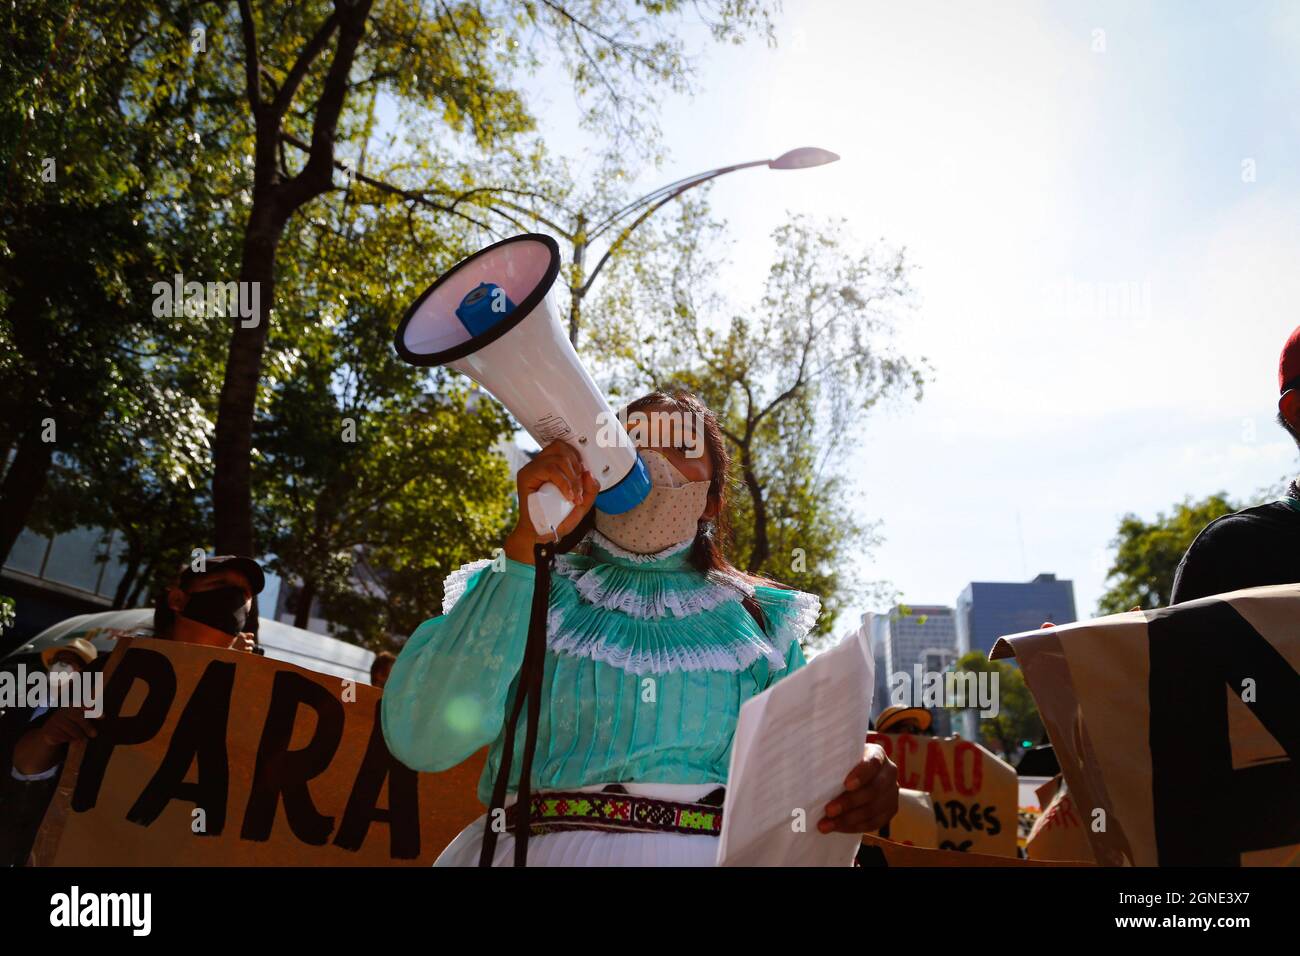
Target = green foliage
(372,520)
(105,196)
(147,478)
(370,490)
(1147,553)
(813,530)
(145,109)
(371,525)
(1017,718)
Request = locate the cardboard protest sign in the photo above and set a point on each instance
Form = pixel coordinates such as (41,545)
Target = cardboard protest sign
(1059,832)
(881,852)
(1177,729)
(973,792)
(209,757)
(914,823)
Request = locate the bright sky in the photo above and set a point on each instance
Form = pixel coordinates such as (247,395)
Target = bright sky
(1027,160)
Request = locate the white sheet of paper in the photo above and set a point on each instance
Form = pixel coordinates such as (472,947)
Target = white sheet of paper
(793,746)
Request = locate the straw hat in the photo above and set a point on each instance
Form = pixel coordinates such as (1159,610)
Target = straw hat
(78,645)
(898,714)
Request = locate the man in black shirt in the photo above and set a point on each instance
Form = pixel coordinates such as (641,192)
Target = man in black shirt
(1259,545)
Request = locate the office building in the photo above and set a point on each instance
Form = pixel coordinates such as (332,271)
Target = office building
(906,637)
(987,610)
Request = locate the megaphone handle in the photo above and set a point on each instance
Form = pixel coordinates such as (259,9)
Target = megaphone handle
(547,507)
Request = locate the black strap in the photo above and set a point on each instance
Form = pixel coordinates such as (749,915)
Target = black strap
(756,612)
(530,691)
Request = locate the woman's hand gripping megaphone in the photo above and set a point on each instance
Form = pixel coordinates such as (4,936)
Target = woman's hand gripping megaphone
(557,468)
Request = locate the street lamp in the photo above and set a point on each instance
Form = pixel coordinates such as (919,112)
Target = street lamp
(580,283)
(803,158)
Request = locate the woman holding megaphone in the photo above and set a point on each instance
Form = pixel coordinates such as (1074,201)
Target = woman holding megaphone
(653,641)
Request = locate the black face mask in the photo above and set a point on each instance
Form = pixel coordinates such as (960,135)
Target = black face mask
(220,608)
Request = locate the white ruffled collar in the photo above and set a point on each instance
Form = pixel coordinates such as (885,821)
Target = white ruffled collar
(649,626)
(598,540)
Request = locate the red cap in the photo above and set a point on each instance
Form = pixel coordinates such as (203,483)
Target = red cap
(1288,367)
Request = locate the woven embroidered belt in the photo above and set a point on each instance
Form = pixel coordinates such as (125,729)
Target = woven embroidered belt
(557,811)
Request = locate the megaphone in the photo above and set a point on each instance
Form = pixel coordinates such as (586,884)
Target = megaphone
(493,318)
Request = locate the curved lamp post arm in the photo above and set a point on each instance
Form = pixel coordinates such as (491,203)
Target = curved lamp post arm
(619,241)
(671,190)
(801,158)
(804,157)
(663,200)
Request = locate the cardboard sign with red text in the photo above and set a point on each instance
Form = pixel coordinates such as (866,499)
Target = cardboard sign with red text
(974,793)
(1177,730)
(1060,832)
(210,757)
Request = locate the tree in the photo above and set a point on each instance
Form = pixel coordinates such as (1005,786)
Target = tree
(221,140)
(1147,554)
(790,379)
(373,479)
(54,334)
(100,116)
(451,505)
(436,61)
(146,479)
(1017,719)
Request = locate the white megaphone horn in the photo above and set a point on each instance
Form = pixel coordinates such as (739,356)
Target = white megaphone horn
(492,317)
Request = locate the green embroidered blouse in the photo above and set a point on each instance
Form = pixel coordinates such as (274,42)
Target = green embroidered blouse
(647,664)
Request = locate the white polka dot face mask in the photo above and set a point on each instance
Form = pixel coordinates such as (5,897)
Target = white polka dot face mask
(669,515)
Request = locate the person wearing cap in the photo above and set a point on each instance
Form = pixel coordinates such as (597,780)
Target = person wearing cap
(211,605)
(903,720)
(1259,545)
(208,606)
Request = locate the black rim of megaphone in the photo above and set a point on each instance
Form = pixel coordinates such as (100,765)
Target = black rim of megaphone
(522,309)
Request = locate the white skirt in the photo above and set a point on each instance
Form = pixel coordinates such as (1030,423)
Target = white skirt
(596,847)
